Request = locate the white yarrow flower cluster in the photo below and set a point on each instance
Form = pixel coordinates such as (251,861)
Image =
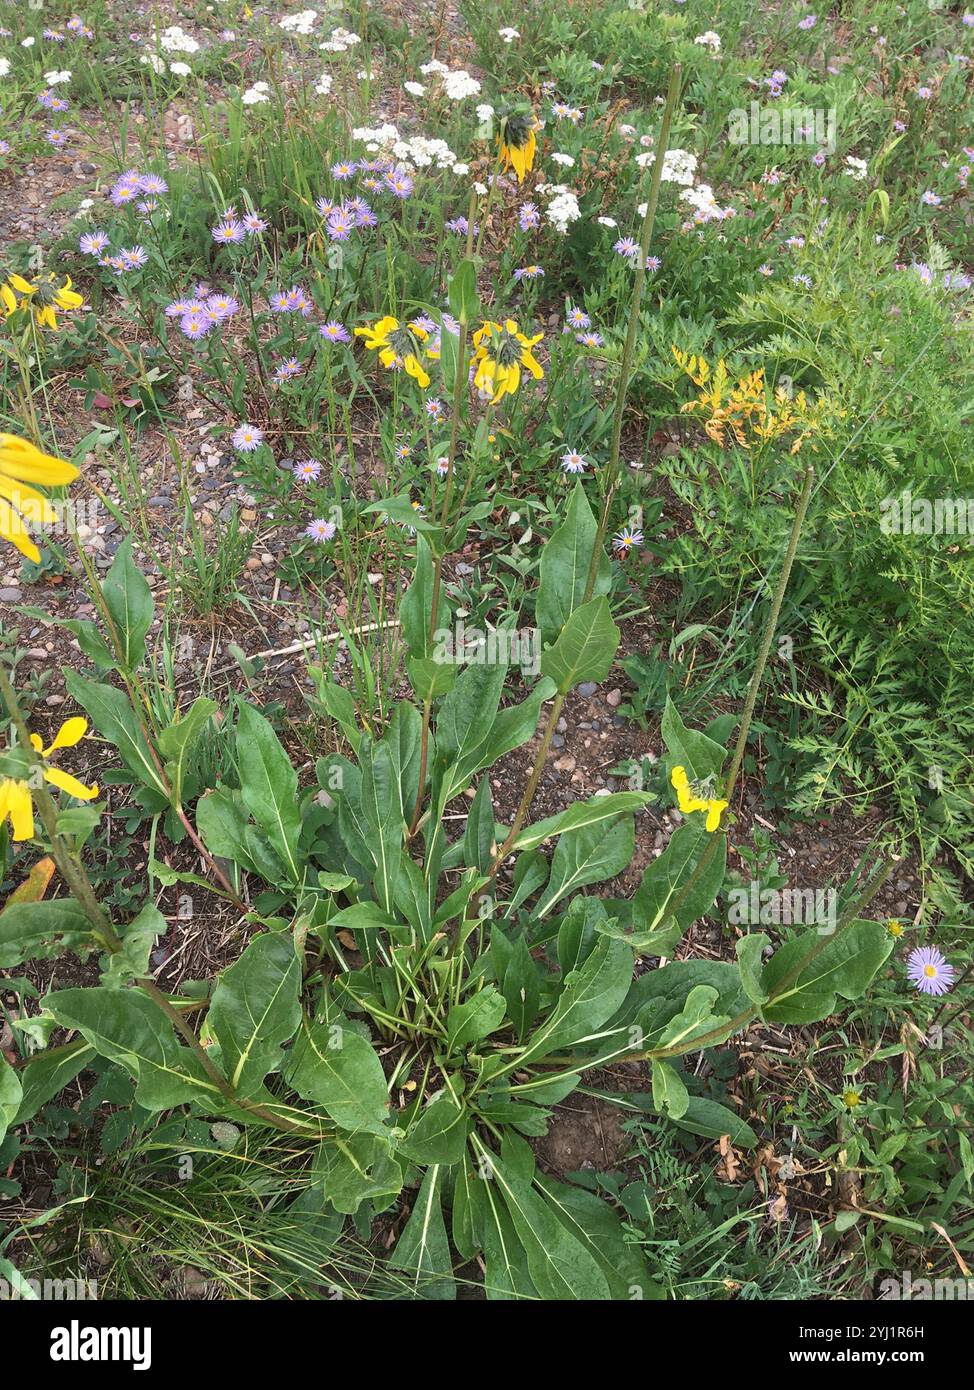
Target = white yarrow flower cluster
(509,35)
(459,85)
(54,78)
(340,41)
(301,23)
(4,66)
(420,152)
(705,205)
(323,85)
(564,159)
(484,111)
(379,138)
(176,40)
(856,168)
(256,94)
(709,40)
(562,209)
(434,66)
(180,69)
(679,166)
(415,89)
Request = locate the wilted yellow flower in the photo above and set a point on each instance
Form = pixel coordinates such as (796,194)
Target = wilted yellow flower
(15,797)
(518,145)
(397,345)
(21,464)
(689,801)
(44,296)
(500,351)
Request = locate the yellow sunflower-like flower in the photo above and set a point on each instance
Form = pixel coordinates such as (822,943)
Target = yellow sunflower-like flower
(689,801)
(20,465)
(15,797)
(43,295)
(518,145)
(397,345)
(500,351)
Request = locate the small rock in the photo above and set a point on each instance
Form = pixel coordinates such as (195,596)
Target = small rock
(557,741)
(614,697)
(588,689)
(565,764)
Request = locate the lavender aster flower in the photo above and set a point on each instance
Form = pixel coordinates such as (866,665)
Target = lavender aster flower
(335,332)
(929,970)
(228,232)
(247,438)
(320,530)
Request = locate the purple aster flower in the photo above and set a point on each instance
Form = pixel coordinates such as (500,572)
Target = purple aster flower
(342,170)
(434,408)
(298,302)
(308,471)
(222,306)
(320,530)
(398,182)
(134,257)
(325,207)
(179,307)
(124,192)
(574,462)
(247,438)
(340,224)
(577,318)
(932,200)
(808,22)
(590,340)
(624,540)
(228,232)
(289,368)
(196,325)
(278,302)
(335,332)
(929,970)
(528,216)
(529,272)
(627,246)
(93,243)
(153,184)
(253,222)
(57,138)
(924,93)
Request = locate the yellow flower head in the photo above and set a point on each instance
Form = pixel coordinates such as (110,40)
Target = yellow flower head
(397,345)
(43,295)
(15,798)
(518,145)
(895,928)
(689,801)
(499,354)
(21,464)
(850,1099)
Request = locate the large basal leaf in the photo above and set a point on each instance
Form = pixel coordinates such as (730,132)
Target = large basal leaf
(176,743)
(334,1066)
(593,1222)
(439,1135)
(128,1028)
(11,1096)
(138,939)
(669,1091)
(128,599)
(585,648)
(269,786)
(658,996)
(423,1250)
(590,855)
(564,567)
(361,1168)
(470,1022)
(845,967)
(506,1273)
(112,715)
(34,931)
(47,1073)
(255,1010)
(662,891)
(592,994)
(595,811)
(388,789)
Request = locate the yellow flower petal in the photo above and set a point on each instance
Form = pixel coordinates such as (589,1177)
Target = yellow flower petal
(714,813)
(9,299)
(12,529)
(21,460)
(21,285)
(20,810)
(70,784)
(72,731)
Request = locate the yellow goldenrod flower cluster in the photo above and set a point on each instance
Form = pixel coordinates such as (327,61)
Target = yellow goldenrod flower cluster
(398,345)
(15,797)
(20,465)
(742,407)
(689,801)
(500,351)
(43,295)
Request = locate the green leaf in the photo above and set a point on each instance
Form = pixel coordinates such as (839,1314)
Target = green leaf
(670,1095)
(462,294)
(127,1027)
(564,567)
(476,1019)
(256,1009)
(176,743)
(357,1169)
(112,715)
(594,1223)
(138,939)
(423,1250)
(665,881)
(749,953)
(591,855)
(478,837)
(506,1274)
(845,967)
(439,1135)
(585,648)
(700,755)
(11,1096)
(402,510)
(416,605)
(35,931)
(695,1018)
(582,813)
(592,994)
(47,1073)
(128,599)
(333,1065)
(521,988)
(269,786)
(339,704)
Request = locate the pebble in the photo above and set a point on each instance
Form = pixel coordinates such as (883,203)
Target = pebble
(614,697)
(565,764)
(10,595)
(588,689)
(557,741)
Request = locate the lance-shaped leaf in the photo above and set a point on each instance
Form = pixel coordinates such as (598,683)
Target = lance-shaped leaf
(700,755)
(564,567)
(255,1009)
(11,1095)
(670,1095)
(269,786)
(592,994)
(595,811)
(439,1135)
(470,1022)
(749,952)
(590,855)
(47,1073)
(128,599)
(423,1250)
(672,886)
(585,648)
(112,715)
(177,742)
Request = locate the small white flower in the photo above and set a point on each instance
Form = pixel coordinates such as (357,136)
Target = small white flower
(484,111)
(415,89)
(564,159)
(28,42)
(607,222)
(709,40)
(55,78)
(509,35)
(180,69)
(4,66)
